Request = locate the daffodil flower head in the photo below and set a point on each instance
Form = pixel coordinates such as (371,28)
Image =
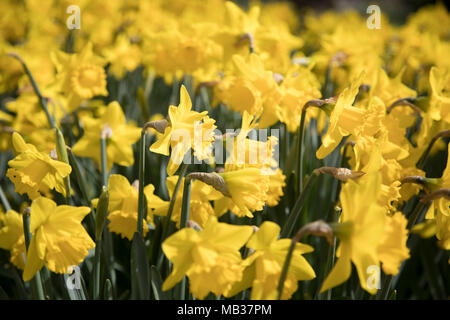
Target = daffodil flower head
(59,240)
(123,56)
(265,263)
(440,98)
(362,221)
(187,130)
(12,236)
(247,189)
(123,206)
(81,75)
(210,258)
(120,136)
(343,107)
(393,250)
(33,172)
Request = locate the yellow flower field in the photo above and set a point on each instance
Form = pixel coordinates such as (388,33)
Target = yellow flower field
(221,150)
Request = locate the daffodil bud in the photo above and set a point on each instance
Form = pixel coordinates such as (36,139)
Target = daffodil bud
(102,213)
(317,228)
(61,146)
(342,174)
(158,125)
(213,179)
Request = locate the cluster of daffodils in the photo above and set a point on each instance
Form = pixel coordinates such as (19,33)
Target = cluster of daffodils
(110,135)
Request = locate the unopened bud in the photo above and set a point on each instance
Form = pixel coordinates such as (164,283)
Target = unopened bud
(159,125)
(213,179)
(342,174)
(317,228)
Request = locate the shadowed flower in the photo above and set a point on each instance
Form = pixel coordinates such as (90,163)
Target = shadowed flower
(12,237)
(123,206)
(210,258)
(119,140)
(59,240)
(361,224)
(187,130)
(81,76)
(393,250)
(33,172)
(264,265)
(247,189)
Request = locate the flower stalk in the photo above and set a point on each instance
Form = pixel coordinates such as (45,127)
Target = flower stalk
(36,283)
(317,228)
(141,196)
(42,100)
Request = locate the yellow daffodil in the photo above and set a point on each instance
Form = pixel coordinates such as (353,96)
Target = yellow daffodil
(298,86)
(12,237)
(346,119)
(440,98)
(123,206)
(120,136)
(209,258)
(393,250)
(247,189)
(32,171)
(200,206)
(194,129)
(123,56)
(264,264)
(59,240)
(251,88)
(81,76)
(359,231)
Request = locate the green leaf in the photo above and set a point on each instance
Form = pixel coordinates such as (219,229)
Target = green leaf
(107,290)
(140,278)
(156,282)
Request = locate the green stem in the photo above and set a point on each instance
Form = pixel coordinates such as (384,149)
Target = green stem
(79,176)
(97,269)
(331,256)
(175,90)
(185,203)
(141,196)
(167,220)
(294,215)
(183,223)
(42,100)
(36,283)
(285,269)
(301,130)
(104,160)
(423,158)
(4,200)
(415,214)
(385,287)
(172,201)
(100,219)
(63,157)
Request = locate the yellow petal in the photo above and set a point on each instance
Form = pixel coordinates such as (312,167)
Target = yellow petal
(33,263)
